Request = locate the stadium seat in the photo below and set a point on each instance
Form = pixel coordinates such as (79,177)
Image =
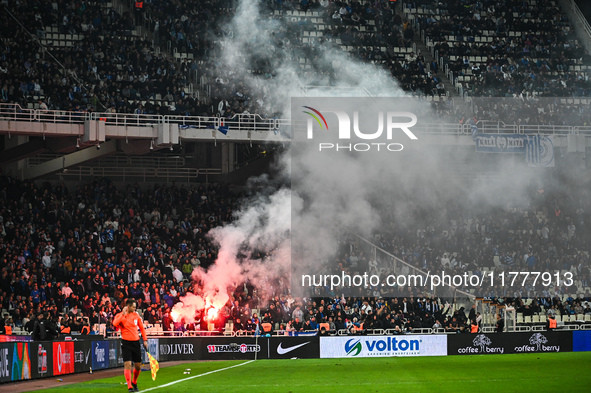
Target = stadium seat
(572,318)
(229,328)
(528,319)
(543,318)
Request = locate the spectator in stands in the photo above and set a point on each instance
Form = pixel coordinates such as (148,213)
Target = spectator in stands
(177,274)
(52,326)
(40,328)
(500,326)
(297,314)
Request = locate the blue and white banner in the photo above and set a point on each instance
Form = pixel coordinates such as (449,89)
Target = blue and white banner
(382,346)
(500,143)
(301,334)
(540,151)
(100,355)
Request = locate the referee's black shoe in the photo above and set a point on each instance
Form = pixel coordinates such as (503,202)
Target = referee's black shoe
(135,389)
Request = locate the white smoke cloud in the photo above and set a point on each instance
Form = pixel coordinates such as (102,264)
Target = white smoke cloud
(347,192)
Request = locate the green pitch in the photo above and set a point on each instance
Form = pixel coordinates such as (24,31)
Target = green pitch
(556,372)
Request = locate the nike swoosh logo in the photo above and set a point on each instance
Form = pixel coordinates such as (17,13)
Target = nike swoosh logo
(283,351)
(87,355)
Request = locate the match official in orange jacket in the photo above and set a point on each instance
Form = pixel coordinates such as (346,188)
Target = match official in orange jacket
(129,321)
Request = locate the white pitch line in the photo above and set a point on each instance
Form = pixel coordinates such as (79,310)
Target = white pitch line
(195,376)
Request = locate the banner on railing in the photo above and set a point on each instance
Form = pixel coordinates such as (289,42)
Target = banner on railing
(153,349)
(15,361)
(100,353)
(540,151)
(177,348)
(83,355)
(581,340)
(235,348)
(41,359)
(63,357)
(383,346)
(294,347)
(115,355)
(499,343)
(500,143)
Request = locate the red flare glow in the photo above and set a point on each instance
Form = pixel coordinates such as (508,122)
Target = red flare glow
(212,313)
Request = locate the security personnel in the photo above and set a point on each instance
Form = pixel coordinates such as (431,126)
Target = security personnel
(40,331)
(139,6)
(552,324)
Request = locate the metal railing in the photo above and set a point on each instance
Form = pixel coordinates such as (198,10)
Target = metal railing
(342,90)
(342,332)
(253,122)
(256,122)
(581,22)
(120,161)
(127,119)
(143,173)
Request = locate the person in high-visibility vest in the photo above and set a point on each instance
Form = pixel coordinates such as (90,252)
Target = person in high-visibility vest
(552,324)
(473,326)
(139,5)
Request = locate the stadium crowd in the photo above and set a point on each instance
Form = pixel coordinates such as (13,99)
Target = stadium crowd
(105,68)
(98,62)
(82,252)
(75,255)
(532,50)
(104,64)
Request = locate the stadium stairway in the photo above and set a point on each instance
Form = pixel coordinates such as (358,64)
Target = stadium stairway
(170,53)
(429,59)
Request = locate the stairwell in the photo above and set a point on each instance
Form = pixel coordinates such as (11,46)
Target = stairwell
(462,103)
(145,32)
(422,48)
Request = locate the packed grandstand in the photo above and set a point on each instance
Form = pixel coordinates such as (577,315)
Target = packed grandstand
(73,253)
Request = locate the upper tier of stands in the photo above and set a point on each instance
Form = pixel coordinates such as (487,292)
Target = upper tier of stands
(511,49)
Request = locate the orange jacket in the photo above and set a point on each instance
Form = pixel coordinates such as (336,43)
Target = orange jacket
(128,324)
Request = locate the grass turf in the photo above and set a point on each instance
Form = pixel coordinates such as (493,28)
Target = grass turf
(548,372)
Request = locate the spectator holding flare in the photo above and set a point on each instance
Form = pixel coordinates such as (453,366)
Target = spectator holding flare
(128,320)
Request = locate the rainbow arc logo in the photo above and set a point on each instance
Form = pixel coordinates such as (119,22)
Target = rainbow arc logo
(316,117)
